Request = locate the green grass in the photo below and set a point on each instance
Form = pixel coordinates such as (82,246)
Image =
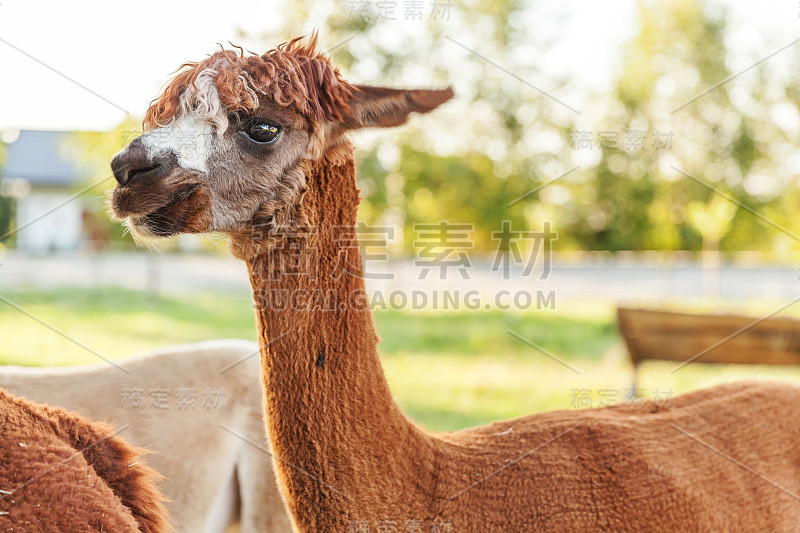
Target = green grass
(113,323)
(447,370)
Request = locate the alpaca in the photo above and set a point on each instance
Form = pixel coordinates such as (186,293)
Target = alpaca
(256,147)
(60,473)
(191,406)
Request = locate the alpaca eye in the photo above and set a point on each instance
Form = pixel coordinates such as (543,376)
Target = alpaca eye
(262,132)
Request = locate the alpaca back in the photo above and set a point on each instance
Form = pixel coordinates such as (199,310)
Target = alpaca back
(708,461)
(60,472)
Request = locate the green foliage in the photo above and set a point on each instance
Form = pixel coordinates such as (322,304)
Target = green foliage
(7,211)
(442,188)
(7,207)
(632,199)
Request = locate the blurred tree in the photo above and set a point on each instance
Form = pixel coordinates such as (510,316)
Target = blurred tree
(6,216)
(6,205)
(712,220)
(685,162)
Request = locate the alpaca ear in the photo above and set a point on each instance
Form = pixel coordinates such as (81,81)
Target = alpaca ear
(380,107)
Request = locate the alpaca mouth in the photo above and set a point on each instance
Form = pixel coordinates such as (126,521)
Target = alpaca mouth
(173,217)
(185,210)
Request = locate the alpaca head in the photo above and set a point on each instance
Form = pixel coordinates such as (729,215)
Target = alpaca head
(227,143)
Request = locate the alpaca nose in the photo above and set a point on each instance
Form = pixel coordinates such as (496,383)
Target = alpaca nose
(134,162)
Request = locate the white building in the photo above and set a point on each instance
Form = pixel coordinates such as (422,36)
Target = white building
(42,172)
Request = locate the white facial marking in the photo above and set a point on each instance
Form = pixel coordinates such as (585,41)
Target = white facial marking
(189,135)
(188,138)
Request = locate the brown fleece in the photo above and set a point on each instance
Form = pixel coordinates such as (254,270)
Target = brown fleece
(61,473)
(723,459)
(293,74)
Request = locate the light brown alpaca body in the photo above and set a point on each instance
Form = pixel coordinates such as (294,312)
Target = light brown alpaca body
(59,473)
(348,459)
(212,457)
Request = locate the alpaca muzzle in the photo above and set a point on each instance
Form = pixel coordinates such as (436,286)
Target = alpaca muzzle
(157,196)
(136,163)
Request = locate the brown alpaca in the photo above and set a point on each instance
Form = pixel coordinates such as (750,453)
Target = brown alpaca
(270,165)
(61,473)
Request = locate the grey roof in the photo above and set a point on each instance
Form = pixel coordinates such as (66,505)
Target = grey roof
(44,158)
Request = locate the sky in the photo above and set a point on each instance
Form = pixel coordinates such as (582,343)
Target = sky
(122,53)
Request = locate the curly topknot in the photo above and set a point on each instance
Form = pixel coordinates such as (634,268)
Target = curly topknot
(293,74)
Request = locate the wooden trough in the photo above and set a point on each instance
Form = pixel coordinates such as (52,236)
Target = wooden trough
(692,338)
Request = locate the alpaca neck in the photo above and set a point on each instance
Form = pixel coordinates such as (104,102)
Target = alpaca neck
(334,428)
